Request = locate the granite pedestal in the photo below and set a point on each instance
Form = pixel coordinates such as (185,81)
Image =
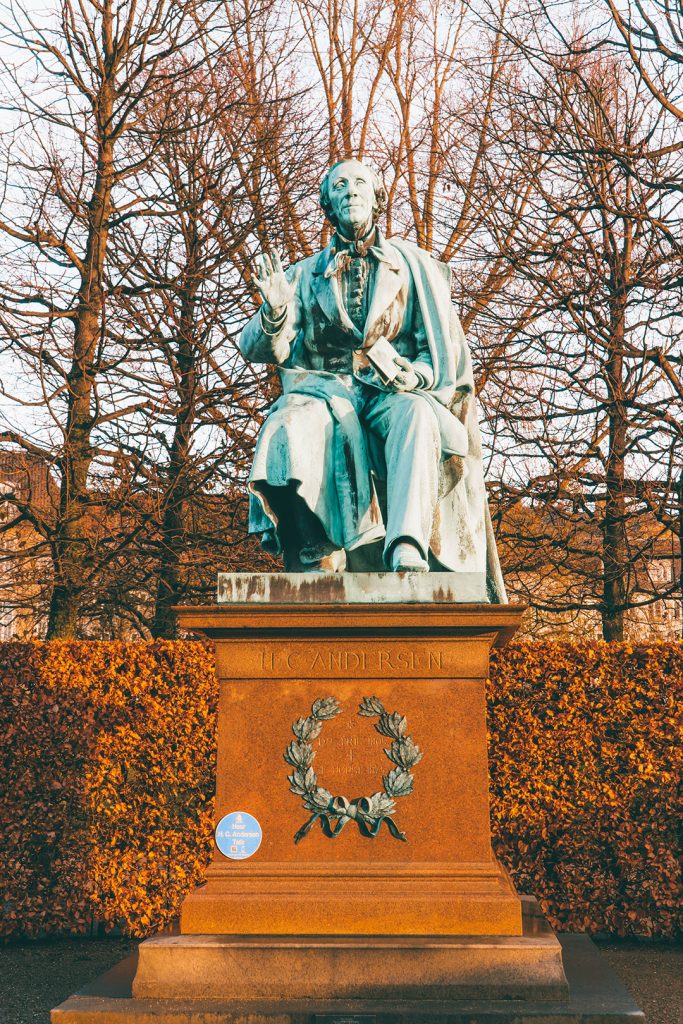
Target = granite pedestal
(277,652)
(365,924)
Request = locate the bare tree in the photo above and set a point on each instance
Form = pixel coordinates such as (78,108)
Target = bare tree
(596,363)
(177,292)
(138,194)
(651,31)
(64,164)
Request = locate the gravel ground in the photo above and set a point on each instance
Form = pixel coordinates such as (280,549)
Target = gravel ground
(37,976)
(653,974)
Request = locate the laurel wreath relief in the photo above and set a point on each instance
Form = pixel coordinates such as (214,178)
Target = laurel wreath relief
(334,812)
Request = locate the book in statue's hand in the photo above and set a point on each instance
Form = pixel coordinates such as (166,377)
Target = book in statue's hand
(383,357)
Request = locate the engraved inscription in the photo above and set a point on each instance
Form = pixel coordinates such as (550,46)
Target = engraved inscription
(376,658)
(350,747)
(341,660)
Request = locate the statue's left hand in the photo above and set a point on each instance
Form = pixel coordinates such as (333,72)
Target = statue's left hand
(406,379)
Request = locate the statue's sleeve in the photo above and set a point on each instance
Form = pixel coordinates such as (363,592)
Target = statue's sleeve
(464,375)
(270,341)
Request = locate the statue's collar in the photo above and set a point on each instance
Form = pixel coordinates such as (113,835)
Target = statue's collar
(356,246)
(379,247)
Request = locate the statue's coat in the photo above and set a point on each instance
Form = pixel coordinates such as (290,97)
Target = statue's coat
(411,306)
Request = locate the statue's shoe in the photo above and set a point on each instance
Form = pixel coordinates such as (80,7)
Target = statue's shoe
(321,559)
(334,562)
(405,557)
(311,554)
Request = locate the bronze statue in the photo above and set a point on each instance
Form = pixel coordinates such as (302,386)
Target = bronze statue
(371,457)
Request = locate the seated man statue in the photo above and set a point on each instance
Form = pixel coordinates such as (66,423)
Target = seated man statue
(365,462)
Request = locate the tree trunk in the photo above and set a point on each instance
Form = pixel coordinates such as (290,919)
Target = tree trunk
(71,549)
(169,588)
(615,549)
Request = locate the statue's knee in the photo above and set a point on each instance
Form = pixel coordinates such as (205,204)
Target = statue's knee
(418,414)
(309,414)
(413,423)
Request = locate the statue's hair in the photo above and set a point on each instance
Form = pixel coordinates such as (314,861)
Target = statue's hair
(381,198)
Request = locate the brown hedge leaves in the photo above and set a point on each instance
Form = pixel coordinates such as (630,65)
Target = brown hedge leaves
(585,754)
(107,779)
(106,783)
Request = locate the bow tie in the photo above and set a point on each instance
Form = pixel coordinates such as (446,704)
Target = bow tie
(341,260)
(340,263)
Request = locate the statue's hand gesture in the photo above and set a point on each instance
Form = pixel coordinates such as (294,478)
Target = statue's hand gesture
(271,282)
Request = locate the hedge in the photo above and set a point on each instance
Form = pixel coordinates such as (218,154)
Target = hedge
(106,782)
(586,767)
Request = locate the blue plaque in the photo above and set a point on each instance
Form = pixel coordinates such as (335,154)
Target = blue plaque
(238,835)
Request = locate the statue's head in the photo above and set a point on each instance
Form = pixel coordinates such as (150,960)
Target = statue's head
(353,197)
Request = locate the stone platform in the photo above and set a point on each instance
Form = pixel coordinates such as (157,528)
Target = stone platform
(342,588)
(526,967)
(596,996)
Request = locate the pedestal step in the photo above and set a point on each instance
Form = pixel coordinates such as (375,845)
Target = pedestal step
(595,997)
(307,900)
(351,588)
(350,967)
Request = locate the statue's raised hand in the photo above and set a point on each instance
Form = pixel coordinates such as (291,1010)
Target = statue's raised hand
(271,282)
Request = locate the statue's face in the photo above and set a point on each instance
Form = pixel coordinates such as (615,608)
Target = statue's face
(352,196)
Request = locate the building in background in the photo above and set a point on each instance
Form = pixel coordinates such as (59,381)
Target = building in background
(552,561)
(26,488)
